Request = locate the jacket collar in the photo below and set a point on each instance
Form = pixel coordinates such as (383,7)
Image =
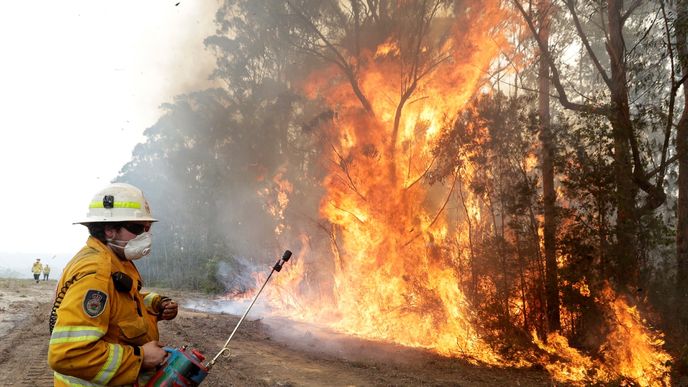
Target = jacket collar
(100,247)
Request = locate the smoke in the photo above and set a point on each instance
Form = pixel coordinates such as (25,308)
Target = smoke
(239,277)
(313,337)
(187,65)
(235,307)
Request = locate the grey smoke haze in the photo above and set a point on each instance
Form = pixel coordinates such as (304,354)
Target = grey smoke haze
(211,167)
(313,337)
(234,307)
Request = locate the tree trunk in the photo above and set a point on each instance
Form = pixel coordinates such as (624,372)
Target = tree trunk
(549,196)
(681,29)
(627,268)
(473,293)
(523,284)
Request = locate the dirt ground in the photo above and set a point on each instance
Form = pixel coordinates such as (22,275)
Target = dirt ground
(263,352)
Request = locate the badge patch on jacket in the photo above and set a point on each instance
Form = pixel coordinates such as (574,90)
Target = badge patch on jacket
(94,302)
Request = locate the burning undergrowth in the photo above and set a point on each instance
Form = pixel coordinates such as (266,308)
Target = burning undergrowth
(630,353)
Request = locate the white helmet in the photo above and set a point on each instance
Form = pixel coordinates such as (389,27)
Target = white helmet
(118,202)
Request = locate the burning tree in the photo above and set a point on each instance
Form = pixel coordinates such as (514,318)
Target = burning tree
(390,97)
(368,133)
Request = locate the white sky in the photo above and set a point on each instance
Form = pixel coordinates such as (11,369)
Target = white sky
(80,81)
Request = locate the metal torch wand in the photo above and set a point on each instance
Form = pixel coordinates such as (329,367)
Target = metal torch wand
(277,267)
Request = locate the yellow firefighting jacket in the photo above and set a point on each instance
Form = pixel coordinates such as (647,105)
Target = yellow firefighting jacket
(46,269)
(101,325)
(36,268)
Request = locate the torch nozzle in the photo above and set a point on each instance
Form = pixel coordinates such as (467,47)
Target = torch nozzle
(286,255)
(285,258)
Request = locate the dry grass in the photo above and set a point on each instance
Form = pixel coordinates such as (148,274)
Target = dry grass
(15,283)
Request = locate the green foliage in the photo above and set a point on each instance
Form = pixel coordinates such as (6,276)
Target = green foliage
(491,145)
(587,181)
(212,283)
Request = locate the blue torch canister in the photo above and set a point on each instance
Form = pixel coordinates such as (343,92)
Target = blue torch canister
(182,368)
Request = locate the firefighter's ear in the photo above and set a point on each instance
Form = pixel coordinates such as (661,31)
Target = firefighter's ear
(110,232)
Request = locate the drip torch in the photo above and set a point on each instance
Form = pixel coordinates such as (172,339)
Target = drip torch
(184,367)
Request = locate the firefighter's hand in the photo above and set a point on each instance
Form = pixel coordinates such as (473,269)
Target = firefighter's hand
(169,310)
(153,354)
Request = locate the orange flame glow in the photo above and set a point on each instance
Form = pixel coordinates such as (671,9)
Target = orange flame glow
(570,366)
(632,349)
(392,282)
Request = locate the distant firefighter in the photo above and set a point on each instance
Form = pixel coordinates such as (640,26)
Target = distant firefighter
(46,272)
(36,269)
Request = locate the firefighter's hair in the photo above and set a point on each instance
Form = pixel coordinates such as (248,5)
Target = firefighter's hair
(97,230)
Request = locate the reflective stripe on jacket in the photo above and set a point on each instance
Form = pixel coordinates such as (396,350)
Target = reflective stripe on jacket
(99,330)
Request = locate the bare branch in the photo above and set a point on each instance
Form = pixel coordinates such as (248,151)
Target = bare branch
(343,166)
(348,212)
(647,32)
(556,78)
(340,60)
(586,43)
(630,10)
(439,212)
(422,174)
(664,165)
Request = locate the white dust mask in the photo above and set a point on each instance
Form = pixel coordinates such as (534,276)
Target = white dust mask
(133,248)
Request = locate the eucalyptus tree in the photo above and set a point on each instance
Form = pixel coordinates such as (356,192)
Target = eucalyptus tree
(178,169)
(630,68)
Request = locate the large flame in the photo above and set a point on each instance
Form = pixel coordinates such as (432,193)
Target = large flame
(392,280)
(632,349)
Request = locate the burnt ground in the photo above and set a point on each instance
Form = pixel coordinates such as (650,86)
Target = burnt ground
(261,355)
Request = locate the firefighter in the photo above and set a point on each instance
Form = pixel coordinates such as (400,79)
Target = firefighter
(104,328)
(36,269)
(46,272)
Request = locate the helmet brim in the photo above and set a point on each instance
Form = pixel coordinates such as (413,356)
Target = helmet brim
(115,219)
